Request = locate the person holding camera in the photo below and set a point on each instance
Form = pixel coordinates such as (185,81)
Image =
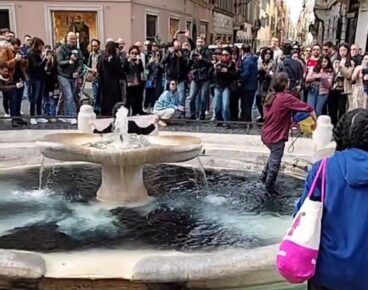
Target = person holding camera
(10,89)
(360,90)
(92,75)
(225,73)
(36,69)
(320,79)
(200,64)
(154,81)
(266,68)
(70,67)
(50,99)
(342,88)
(16,76)
(134,71)
(176,65)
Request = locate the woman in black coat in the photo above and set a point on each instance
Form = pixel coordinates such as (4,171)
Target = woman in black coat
(110,70)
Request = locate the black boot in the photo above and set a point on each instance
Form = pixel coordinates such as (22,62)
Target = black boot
(270,183)
(263,176)
(21,122)
(14,123)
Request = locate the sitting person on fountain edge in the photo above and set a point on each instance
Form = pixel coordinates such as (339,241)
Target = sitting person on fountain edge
(279,107)
(168,104)
(133,127)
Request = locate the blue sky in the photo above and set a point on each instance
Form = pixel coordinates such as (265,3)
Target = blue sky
(295,6)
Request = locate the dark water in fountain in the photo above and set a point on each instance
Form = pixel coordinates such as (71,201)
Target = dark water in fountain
(233,212)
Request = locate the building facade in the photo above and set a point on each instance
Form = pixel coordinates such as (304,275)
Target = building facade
(223,21)
(282,20)
(361,37)
(133,20)
(265,32)
(342,21)
(303,31)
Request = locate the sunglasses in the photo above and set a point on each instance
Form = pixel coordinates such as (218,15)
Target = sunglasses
(316,49)
(94,45)
(134,53)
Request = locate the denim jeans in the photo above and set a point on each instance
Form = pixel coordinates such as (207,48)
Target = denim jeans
(15,97)
(36,96)
(26,90)
(222,104)
(316,100)
(49,104)
(68,88)
(199,92)
(272,167)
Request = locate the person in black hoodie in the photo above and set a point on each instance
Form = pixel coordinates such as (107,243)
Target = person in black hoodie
(225,73)
(176,65)
(36,69)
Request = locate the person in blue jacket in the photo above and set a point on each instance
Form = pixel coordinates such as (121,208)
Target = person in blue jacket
(343,258)
(249,81)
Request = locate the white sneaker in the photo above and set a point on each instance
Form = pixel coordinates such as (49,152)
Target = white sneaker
(162,123)
(42,120)
(33,121)
(73,121)
(6,115)
(63,120)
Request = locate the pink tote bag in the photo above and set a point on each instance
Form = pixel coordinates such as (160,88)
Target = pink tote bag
(297,256)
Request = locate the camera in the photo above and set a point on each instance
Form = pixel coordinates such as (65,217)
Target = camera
(220,66)
(75,53)
(195,55)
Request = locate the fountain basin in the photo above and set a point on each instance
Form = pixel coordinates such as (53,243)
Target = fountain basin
(122,169)
(253,268)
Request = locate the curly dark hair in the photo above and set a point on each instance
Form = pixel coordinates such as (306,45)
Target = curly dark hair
(352,130)
(264,52)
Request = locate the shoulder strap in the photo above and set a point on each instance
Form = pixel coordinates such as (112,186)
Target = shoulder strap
(320,173)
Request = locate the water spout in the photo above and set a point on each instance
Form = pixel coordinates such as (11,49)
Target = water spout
(41,172)
(121,125)
(203,172)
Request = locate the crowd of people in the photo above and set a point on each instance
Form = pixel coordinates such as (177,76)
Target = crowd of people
(177,80)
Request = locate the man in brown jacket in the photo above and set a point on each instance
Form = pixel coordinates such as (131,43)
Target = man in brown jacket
(16,65)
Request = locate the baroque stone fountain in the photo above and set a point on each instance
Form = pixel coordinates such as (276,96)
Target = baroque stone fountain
(221,236)
(121,158)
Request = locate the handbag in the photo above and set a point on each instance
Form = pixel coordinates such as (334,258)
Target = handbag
(298,252)
(150,84)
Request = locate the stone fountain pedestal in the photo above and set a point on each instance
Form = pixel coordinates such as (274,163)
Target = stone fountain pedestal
(122,184)
(122,169)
